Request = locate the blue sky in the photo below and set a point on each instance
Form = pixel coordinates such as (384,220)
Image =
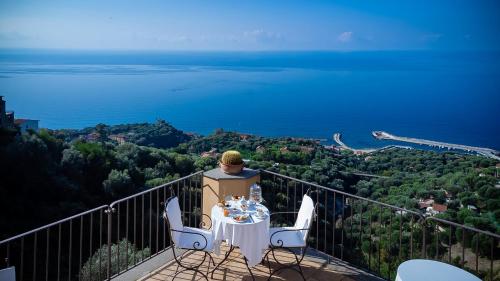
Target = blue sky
(251,25)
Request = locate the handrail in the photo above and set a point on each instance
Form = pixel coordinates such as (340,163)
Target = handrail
(52,224)
(386,205)
(463,226)
(345,193)
(154,188)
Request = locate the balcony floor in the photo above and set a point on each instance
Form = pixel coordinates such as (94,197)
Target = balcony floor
(315,268)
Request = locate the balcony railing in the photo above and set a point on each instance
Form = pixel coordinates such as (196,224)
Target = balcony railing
(107,241)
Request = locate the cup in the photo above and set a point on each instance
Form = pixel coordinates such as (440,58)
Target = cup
(226,212)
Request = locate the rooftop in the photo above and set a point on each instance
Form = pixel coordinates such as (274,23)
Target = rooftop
(315,268)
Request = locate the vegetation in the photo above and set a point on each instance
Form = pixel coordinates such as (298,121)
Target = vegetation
(123,254)
(53,174)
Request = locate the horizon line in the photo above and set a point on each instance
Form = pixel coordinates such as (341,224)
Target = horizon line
(241,51)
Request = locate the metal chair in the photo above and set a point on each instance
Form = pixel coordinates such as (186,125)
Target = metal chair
(292,238)
(187,238)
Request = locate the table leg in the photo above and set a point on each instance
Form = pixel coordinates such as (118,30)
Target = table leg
(231,249)
(249,270)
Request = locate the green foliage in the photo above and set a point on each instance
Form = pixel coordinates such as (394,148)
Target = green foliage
(118,183)
(57,173)
(128,256)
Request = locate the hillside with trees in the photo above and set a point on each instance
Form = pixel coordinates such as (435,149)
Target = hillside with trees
(55,173)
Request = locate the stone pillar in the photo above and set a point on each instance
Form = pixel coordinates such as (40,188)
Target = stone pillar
(217,185)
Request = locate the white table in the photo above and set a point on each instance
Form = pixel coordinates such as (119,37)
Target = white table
(251,236)
(429,270)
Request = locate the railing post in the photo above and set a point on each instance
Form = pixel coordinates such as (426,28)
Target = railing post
(424,229)
(109,211)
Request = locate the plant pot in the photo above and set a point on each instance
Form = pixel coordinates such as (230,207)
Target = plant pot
(231,169)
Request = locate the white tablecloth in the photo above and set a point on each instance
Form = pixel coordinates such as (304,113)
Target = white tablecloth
(252,236)
(430,270)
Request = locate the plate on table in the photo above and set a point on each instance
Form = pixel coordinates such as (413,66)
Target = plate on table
(240,218)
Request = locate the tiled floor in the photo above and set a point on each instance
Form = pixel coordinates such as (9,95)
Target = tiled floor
(234,269)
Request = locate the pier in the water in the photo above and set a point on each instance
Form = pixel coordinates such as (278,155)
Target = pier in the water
(488,152)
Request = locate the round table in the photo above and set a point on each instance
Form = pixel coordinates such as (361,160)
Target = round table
(429,270)
(251,236)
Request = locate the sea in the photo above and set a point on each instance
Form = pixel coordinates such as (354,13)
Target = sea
(449,96)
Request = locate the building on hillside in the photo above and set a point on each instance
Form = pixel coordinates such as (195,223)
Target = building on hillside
(211,153)
(6,117)
(92,136)
(423,204)
(260,149)
(26,124)
(244,137)
(436,209)
(120,139)
(306,149)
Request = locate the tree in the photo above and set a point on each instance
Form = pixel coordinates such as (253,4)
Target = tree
(128,255)
(118,183)
(101,130)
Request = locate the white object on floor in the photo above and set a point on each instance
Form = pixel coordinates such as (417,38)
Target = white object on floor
(251,236)
(429,270)
(8,274)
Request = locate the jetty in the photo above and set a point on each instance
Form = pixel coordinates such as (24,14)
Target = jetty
(337,138)
(488,152)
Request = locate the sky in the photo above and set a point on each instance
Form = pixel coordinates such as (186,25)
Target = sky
(251,25)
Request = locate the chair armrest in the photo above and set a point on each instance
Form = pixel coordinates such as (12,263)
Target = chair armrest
(279,241)
(196,244)
(203,224)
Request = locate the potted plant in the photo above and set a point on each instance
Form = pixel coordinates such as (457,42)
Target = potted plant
(231,162)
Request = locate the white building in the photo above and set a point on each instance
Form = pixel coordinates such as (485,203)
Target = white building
(27,124)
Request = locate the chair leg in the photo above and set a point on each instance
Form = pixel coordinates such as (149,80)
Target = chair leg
(266,259)
(195,268)
(293,266)
(231,249)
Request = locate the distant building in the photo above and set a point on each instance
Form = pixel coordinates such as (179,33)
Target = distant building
(212,153)
(260,149)
(472,208)
(92,136)
(6,118)
(8,121)
(284,149)
(436,209)
(306,149)
(26,124)
(244,137)
(424,204)
(120,139)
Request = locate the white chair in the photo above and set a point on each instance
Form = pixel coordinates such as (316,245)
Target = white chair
(292,237)
(8,274)
(187,238)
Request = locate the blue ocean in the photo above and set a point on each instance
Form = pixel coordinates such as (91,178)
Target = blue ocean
(446,96)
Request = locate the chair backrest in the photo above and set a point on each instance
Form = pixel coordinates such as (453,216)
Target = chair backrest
(305,216)
(174,216)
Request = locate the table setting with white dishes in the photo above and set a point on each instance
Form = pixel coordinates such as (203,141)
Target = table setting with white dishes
(244,224)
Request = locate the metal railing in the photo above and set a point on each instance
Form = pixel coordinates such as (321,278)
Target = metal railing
(56,251)
(104,242)
(376,236)
(107,241)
